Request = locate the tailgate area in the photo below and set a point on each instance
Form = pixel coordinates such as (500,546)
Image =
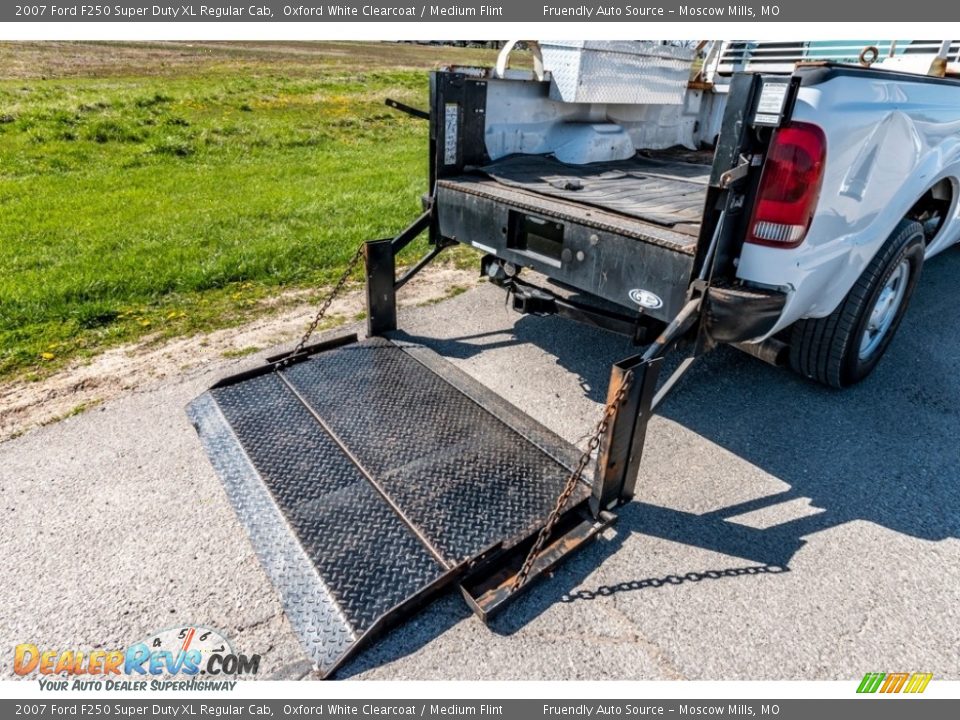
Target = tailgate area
(661,191)
(610,229)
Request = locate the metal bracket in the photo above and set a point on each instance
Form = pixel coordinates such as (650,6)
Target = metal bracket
(618,461)
(621,450)
(530,299)
(736,174)
(490,589)
(404,108)
(381,292)
(382,282)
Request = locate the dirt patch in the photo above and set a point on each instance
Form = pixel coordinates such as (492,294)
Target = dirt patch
(47,60)
(129,368)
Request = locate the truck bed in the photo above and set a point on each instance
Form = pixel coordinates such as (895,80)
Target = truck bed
(657,200)
(616,227)
(661,190)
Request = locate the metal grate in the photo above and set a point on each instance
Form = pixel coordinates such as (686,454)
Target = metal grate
(461,475)
(370,476)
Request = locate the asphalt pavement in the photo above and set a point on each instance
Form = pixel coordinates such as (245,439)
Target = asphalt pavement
(780,530)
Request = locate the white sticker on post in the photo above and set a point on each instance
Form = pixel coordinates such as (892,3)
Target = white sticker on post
(761,119)
(773,96)
(451,128)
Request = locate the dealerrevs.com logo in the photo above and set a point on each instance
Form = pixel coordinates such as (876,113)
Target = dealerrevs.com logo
(200,657)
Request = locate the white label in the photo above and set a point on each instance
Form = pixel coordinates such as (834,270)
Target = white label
(760,119)
(772,97)
(451,117)
(645,298)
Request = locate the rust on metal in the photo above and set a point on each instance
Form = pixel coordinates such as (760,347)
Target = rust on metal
(493,592)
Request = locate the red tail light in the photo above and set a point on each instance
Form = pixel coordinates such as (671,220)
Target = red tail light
(789,186)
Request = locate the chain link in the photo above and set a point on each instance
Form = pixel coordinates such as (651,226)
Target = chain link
(325,305)
(598,434)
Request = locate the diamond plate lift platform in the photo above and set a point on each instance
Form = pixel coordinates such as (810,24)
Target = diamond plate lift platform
(369,475)
(372,474)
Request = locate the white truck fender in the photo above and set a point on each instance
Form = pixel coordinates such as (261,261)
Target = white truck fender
(888,143)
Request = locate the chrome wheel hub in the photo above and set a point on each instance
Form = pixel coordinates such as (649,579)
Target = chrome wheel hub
(885,310)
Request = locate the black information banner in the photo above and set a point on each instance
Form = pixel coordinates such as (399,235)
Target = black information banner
(875,708)
(513,11)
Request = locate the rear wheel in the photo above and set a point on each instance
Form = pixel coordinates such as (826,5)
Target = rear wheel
(844,347)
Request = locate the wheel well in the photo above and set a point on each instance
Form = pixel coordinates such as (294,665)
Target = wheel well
(933,208)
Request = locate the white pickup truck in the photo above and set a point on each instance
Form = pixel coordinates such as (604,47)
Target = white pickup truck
(795,189)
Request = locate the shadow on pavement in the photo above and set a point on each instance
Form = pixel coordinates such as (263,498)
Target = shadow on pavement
(884,451)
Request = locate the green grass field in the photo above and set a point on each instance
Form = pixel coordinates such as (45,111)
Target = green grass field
(168,189)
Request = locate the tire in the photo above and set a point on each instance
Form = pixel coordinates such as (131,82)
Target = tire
(844,347)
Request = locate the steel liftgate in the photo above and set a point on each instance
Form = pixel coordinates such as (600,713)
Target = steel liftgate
(371,474)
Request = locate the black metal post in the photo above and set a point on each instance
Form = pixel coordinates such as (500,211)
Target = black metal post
(614,452)
(618,461)
(381,290)
(645,378)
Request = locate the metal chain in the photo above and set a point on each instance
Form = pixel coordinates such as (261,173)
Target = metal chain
(601,430)
(325,305)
